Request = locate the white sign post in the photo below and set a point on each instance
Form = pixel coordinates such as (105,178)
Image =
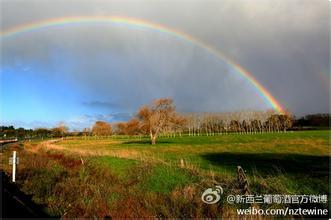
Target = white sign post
(14,165)
(14,160)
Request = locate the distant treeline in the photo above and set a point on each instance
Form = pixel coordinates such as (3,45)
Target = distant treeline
(8,132)
(314,121)
(193,124)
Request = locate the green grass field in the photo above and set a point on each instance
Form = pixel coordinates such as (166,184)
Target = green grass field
(295,153)
(167,179)
(289,160)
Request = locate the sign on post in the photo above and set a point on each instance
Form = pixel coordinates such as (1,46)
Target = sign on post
(11,160)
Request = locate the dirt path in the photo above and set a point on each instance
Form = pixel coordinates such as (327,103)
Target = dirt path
(125,154)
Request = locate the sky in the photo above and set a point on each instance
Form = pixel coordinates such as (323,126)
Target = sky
(80,73)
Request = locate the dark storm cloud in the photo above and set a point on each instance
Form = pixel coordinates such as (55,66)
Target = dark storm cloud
(285,44)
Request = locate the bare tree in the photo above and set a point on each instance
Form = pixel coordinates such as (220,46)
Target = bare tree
(132,127)
(157,117)
(120,128)
(287,121)
(101,128)
(60,131)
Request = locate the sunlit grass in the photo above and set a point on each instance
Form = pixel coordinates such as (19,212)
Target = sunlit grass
(118,166)
(164,179)
(100,177)
(171,150)
(291,158)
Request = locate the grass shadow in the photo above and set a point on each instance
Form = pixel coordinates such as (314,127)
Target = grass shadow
(267,163)
(17,204)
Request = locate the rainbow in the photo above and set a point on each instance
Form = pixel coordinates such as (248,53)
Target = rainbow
(29,27)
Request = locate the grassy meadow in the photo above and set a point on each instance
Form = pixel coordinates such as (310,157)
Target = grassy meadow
(128,177)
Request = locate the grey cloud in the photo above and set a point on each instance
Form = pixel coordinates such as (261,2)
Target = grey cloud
(283,43)
(100,104)
(86,121)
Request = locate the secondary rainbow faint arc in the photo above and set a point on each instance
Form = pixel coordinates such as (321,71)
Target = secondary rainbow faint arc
(20,29)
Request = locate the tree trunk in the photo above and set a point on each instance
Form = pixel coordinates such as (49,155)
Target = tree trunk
(153,139)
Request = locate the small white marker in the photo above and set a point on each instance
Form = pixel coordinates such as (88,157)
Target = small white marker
(13,160)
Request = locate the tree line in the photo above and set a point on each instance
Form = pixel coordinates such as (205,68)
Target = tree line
(160,118)
(313,121)
(8,132)
(245,122)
